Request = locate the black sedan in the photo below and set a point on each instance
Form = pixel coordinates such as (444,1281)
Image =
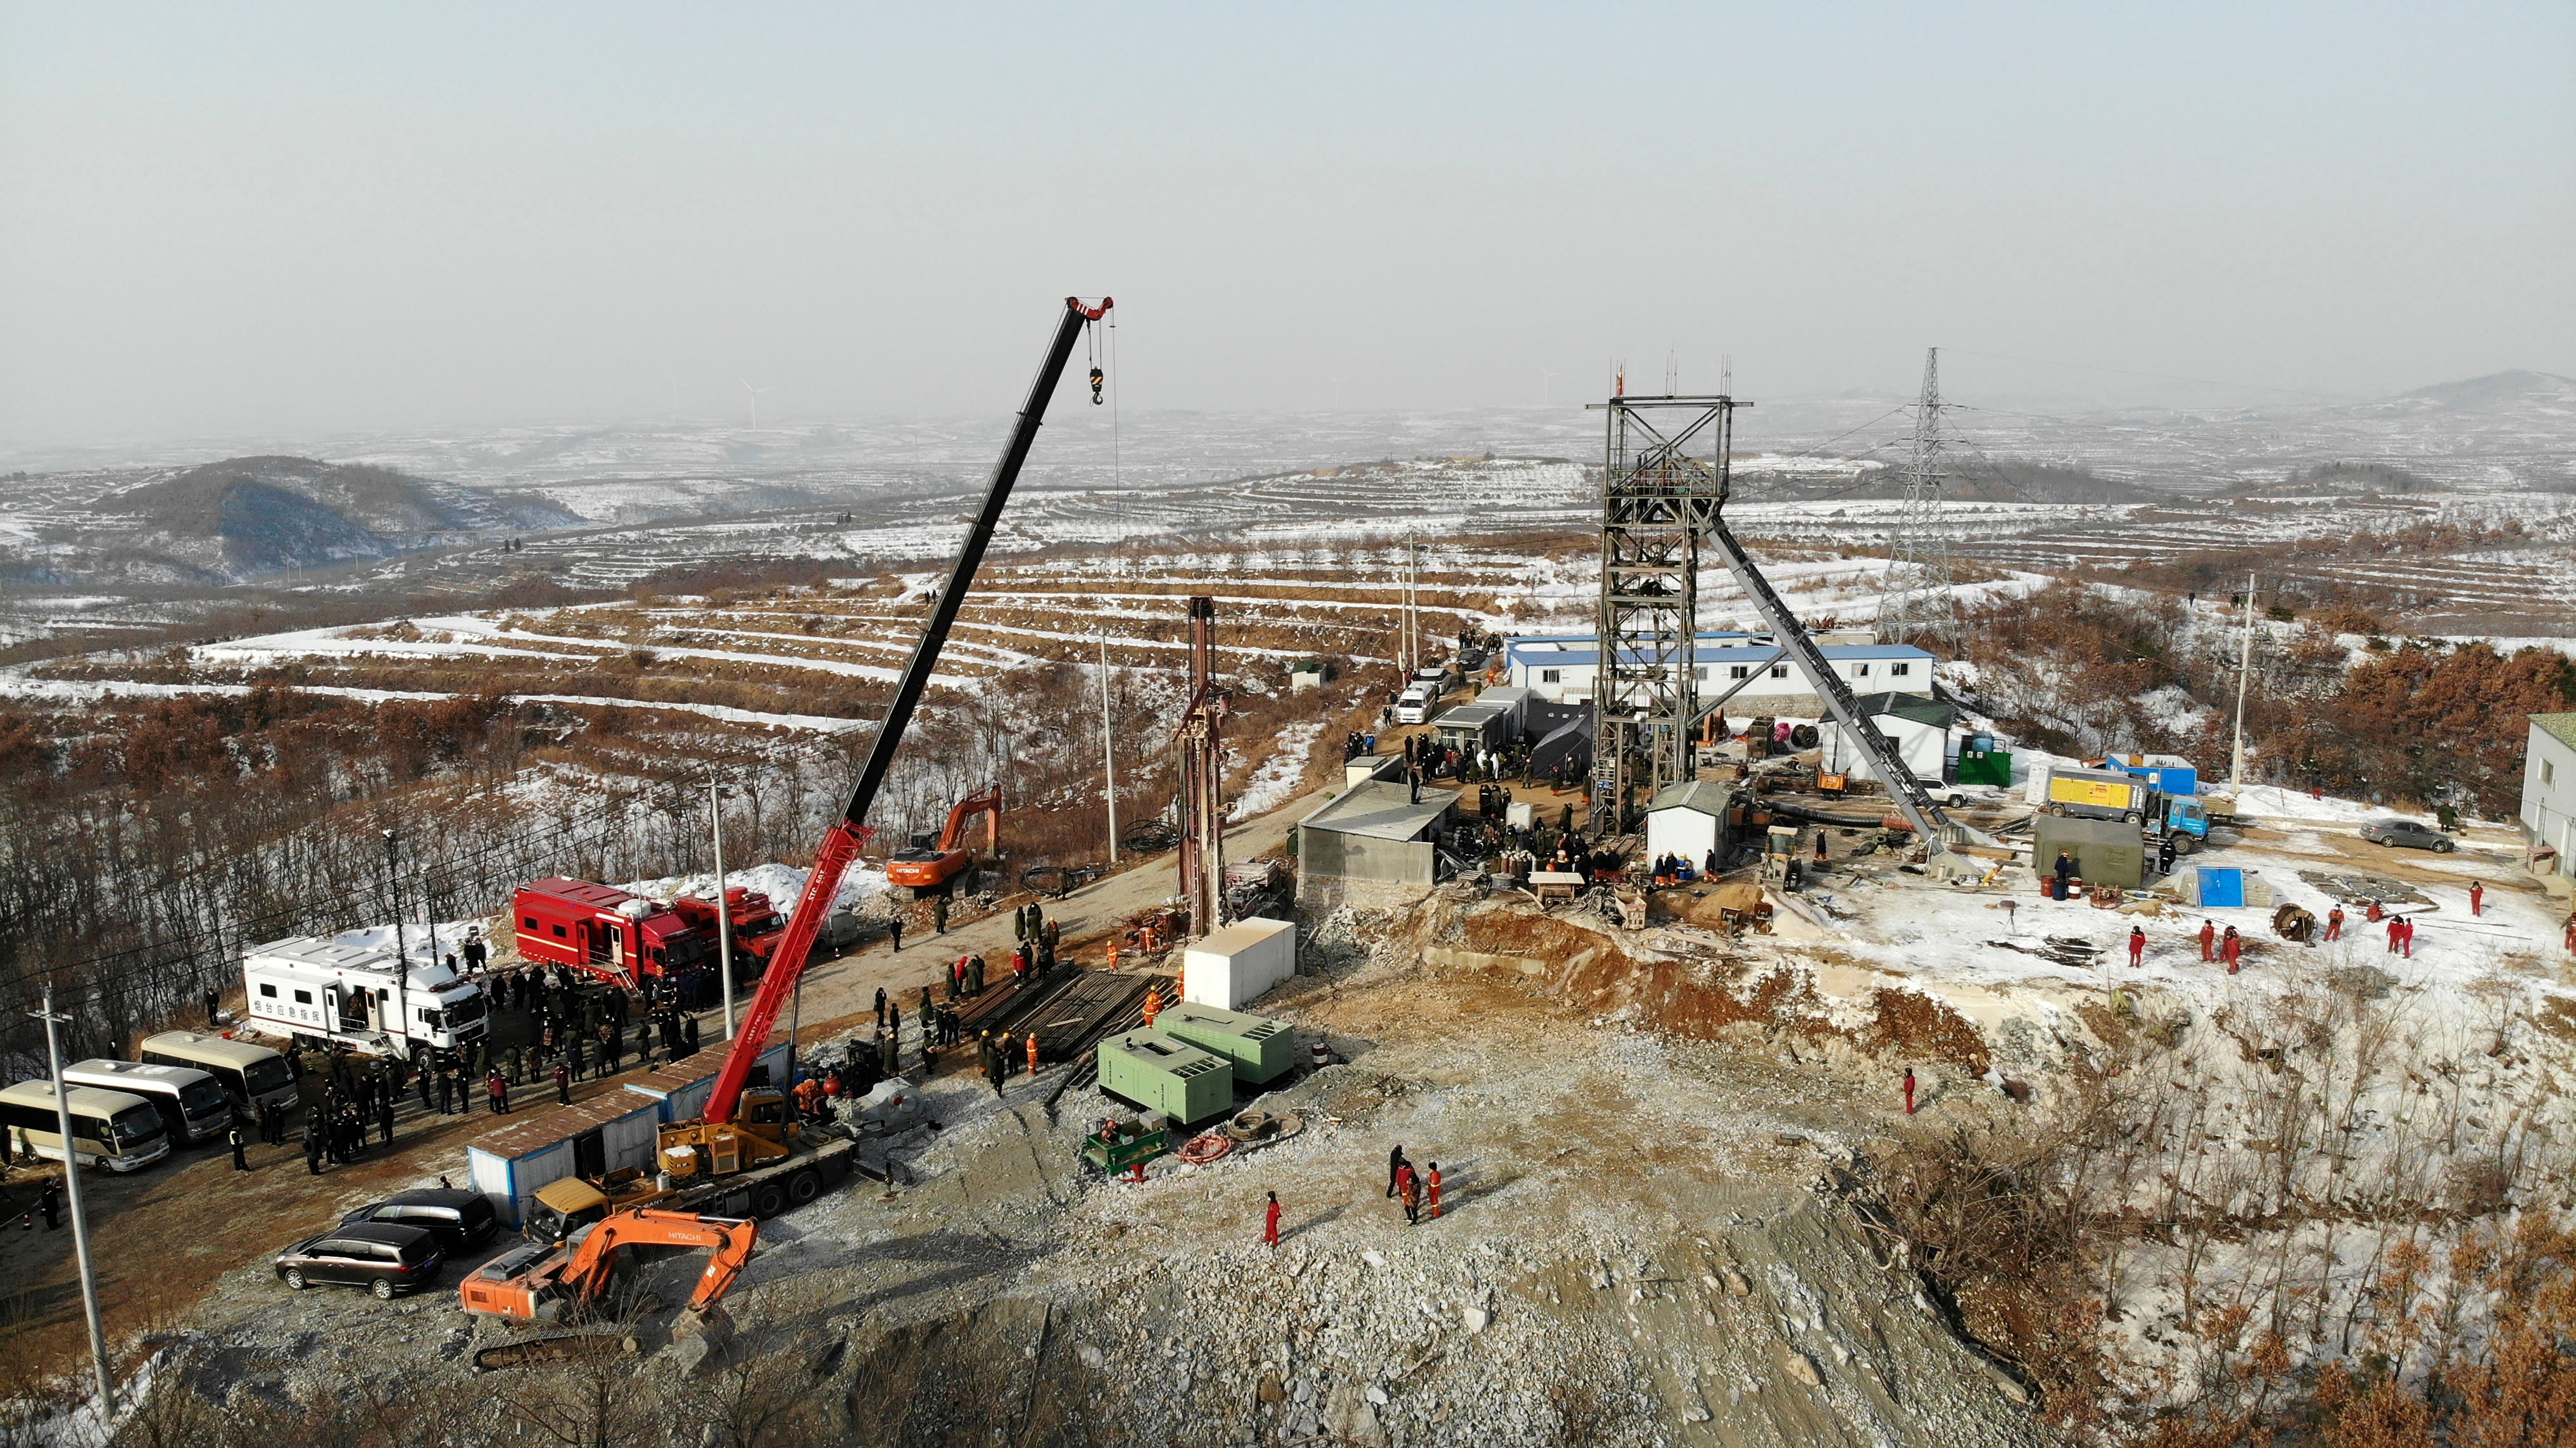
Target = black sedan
(2407,835)
(378,1256)
(461,1221)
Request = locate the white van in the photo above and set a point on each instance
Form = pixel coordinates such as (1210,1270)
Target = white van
(1416,706)
(109,1128)
(249,1074)
(192,1103)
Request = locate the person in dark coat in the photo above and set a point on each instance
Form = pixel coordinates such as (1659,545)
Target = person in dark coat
(894,929)
(1395,1164)
(312,1150)
(689,1035)
(573,1056)
(385,1118)
(237,1141)
(476,952)
(563,1085)
(424,1089)
(881,1005)
(612,1051)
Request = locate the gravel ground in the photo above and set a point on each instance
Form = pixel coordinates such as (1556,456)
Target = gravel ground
(1633,1250)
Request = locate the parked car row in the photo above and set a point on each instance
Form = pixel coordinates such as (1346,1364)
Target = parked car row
(397,1245)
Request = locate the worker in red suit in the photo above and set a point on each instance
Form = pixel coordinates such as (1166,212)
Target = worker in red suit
(1270,1222)
(2396,933)
(2374,914)
(2137,945)
(2477,897)
(2406,936)
(2231,947)
(1909,1091)
(2334,923)
(2208,940)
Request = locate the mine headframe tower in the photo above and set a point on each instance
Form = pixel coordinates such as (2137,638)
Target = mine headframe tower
(1664,478)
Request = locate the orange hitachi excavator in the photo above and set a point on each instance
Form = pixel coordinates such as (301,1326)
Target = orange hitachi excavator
(929,869)
(538,1283)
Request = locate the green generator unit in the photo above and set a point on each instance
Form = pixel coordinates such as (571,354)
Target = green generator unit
(1261,1049)
(1981,763)
(1166,1074)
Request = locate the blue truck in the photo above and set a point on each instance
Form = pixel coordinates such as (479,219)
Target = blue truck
(2177,783)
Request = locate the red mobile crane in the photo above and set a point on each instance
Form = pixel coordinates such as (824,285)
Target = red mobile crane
(718,1145)
(929,869)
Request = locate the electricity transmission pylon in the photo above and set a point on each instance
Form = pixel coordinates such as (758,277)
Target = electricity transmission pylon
(1917,602)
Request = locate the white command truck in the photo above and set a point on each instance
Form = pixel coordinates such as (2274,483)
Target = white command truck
(320,992)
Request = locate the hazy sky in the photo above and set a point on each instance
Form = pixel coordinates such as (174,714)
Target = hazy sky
(227,220)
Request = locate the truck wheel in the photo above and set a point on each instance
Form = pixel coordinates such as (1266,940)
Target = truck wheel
(2132,818)
(803,1187)
(2185,844)
(768,1200)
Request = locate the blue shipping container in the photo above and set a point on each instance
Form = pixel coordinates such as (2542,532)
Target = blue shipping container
(2221,887)
(2181,780)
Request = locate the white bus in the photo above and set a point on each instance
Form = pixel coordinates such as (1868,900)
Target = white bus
(109,1128)
(249,1074)
(192,1103)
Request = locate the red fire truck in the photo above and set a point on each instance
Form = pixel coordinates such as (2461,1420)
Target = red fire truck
(622,938)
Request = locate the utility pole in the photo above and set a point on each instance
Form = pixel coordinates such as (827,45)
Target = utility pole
(402,961)
(1108,752)
(724,907)
(2244,669)
(72,1190)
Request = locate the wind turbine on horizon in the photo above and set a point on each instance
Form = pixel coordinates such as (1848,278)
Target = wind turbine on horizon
(755,402)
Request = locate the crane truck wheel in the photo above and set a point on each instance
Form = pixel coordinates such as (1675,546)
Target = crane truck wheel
(803,1187)
(768,1200)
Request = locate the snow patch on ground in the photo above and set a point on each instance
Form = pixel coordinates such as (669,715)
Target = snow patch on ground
(1276,781)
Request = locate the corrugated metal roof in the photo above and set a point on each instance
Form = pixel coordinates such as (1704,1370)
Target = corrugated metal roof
(2561,727)
(1382,812)
(1910,706)
(561,1125)
(1711,649)
(1705,796)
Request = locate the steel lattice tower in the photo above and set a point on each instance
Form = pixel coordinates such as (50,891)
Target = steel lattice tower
(1658,504)
(1917,600)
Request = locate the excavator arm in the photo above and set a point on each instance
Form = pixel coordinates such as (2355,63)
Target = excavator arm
(842,841)
(728,1240)
(987,803)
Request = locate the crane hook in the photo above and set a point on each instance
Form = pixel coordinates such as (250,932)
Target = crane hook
(1097,377)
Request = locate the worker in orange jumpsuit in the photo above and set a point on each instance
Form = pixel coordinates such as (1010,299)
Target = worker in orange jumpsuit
(2334,923)
(1909,1091)
(2137,945)
(2208,940)
(2396,933)
(1033,1053)
(2374,914)
(1153,1004)
(1435,1191)
(2231,948)
(1270,1222)
(1408,1190)
(2406,936)
(2477,897)
(1113,955)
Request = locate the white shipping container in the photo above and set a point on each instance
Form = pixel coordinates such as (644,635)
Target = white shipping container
(1234,966)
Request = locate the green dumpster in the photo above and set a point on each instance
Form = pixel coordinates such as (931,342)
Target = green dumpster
(1261,1049)
(1166,1074)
